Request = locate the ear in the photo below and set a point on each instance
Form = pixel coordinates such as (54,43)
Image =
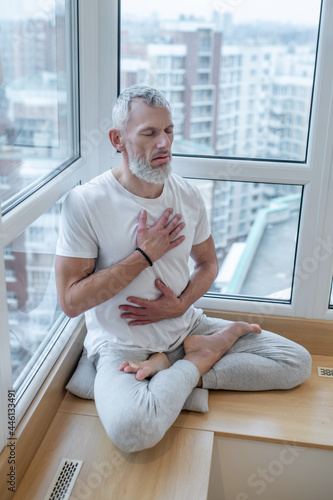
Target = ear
(117,139)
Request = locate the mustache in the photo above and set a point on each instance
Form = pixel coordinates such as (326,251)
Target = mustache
(165,152)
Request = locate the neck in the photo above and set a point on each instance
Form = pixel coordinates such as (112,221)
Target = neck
(135,185)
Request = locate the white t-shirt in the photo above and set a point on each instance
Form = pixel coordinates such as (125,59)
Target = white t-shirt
(100,220)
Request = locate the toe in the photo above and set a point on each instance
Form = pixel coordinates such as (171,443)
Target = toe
(143,373)
(123,365)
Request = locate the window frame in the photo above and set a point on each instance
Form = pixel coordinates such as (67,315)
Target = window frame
(71,8)
(19,217)
(314,267)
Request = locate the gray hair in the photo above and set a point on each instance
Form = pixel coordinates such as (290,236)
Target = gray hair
(122,107)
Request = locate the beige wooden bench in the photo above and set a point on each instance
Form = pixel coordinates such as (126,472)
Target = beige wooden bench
(179,466)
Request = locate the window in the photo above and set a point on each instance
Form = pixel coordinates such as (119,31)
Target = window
(256,252)
(246,55)
(33,311)
(39,162)
(38,125)
(249,126)
(204,62)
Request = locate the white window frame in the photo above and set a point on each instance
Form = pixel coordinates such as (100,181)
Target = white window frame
(87,166)
(314,264)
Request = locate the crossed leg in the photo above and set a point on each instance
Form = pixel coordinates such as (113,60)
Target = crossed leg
(202,350)
(137,413)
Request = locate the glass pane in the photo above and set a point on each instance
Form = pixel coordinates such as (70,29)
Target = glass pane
(37,101)
(254,226)
(238,75)
(34,313)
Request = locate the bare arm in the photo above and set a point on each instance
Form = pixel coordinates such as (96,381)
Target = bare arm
(80,288)
(169,305)
(205,271)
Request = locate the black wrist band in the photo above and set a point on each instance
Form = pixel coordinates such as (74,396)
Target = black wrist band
(145,255)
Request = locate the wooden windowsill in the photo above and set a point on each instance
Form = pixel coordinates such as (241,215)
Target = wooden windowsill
(179,466)
(301,416)
(37,420)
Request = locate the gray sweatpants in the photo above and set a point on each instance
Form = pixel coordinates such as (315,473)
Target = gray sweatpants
(137,414)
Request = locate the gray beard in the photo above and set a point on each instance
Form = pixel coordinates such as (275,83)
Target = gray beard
(144,171)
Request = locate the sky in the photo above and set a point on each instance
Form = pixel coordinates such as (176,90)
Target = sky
(304,12)
(18,9)
(294,11)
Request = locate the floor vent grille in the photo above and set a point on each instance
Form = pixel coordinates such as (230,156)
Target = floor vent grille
(64,479)
(325,372)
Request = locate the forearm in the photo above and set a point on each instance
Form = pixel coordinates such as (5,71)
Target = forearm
(102,285)
(168,305)
(200,282)
(80,288)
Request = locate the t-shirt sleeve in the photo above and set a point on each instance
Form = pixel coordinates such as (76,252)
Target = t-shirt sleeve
(77,237)
(202,231)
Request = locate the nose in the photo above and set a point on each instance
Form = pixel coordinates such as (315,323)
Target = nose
(165,140)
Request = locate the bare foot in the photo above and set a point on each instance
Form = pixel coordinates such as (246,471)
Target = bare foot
(144,369)
(205,350)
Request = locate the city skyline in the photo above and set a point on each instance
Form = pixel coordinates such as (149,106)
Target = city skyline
(249,99)
(296,12)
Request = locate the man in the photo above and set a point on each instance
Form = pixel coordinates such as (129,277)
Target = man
(122,258)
